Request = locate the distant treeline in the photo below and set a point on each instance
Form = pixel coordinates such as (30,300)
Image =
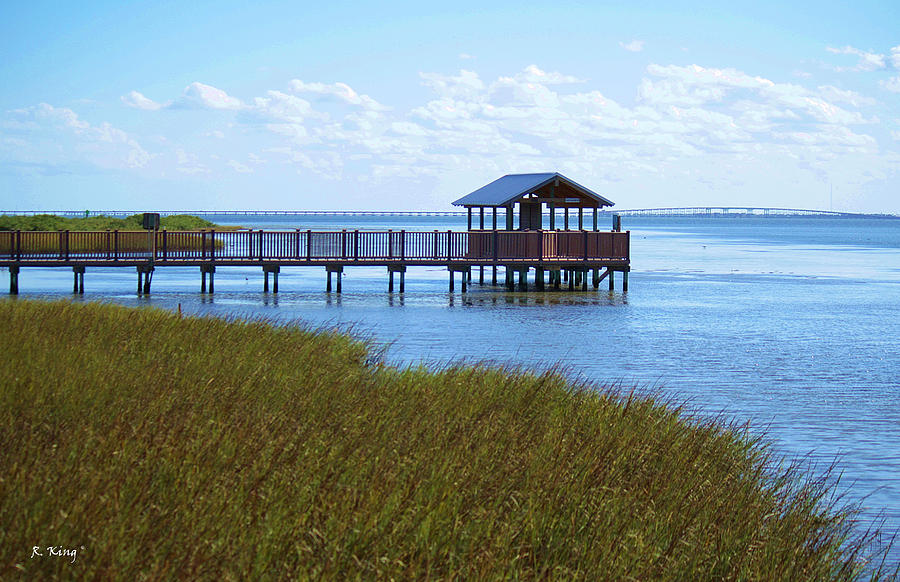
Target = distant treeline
(45,222)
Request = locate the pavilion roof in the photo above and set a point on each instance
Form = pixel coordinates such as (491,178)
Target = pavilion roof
(506,190)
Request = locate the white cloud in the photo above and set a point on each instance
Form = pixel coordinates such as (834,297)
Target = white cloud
(239,167)
(692,126)
(867,61)
(635,46)
(892,84)
(466,56)
(207,97)
(189,163)
(55,137)
(465,85)
(532,74)
(340,91)
(895,57)
(845,96)
(138,101)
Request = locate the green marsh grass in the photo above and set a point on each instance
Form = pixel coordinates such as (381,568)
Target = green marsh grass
(53,222)
(197,448)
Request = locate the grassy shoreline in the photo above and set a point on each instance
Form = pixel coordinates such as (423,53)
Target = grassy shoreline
(206,449)
(53,222)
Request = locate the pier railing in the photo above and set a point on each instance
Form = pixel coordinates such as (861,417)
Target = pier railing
(309,246)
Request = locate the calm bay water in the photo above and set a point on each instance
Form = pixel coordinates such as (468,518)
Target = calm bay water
(790,323)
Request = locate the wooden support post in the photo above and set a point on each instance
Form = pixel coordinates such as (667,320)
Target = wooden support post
(611,280)
(495,218)
(577,274)
(463,277)
(481,218)
(390,280)
(567,218)
(494,275)
(557,278)
(469,214)
(566,275)
(14,279)
(275,270)
(327,284)
(539,278)
(481,275)
(451,279)
(204,271)
(403,280)
(584,280)
(510,283)
(523,279)
(570,276)
(145,274)
(580,218)
(552,216)
(509,218)
(596,278)
(469,274)
(337,270)
(78,271)
(595,220)
(624,281)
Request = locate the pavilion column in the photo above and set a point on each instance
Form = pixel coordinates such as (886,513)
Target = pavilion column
(469,209)
(495,218)
(481,218)
(552,215)
(595,220)
(580,218)
(567,218)
(509,218)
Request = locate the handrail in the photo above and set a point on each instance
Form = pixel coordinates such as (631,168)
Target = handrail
(485,246)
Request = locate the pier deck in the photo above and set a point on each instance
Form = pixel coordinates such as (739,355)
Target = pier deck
(518,251)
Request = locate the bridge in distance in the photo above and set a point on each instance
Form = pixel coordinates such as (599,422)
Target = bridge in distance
(695,211)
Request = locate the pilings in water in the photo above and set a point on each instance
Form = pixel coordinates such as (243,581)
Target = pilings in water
(275,270)
(145,276)
(211,271)
(546,276)
(401,269)
(464,273)
(78,287)
(13,279)
(339,271)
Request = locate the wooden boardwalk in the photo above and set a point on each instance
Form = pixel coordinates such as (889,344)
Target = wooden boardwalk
(567,254)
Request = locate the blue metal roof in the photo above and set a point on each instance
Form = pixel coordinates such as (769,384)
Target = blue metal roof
(509,188)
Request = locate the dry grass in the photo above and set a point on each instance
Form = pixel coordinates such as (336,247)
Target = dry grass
(204,449)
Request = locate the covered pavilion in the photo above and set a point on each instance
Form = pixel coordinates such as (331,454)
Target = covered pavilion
(531,192)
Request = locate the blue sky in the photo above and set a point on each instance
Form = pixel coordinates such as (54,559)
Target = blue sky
(282,105)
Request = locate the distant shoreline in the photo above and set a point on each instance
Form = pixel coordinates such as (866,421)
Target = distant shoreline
(686,212)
